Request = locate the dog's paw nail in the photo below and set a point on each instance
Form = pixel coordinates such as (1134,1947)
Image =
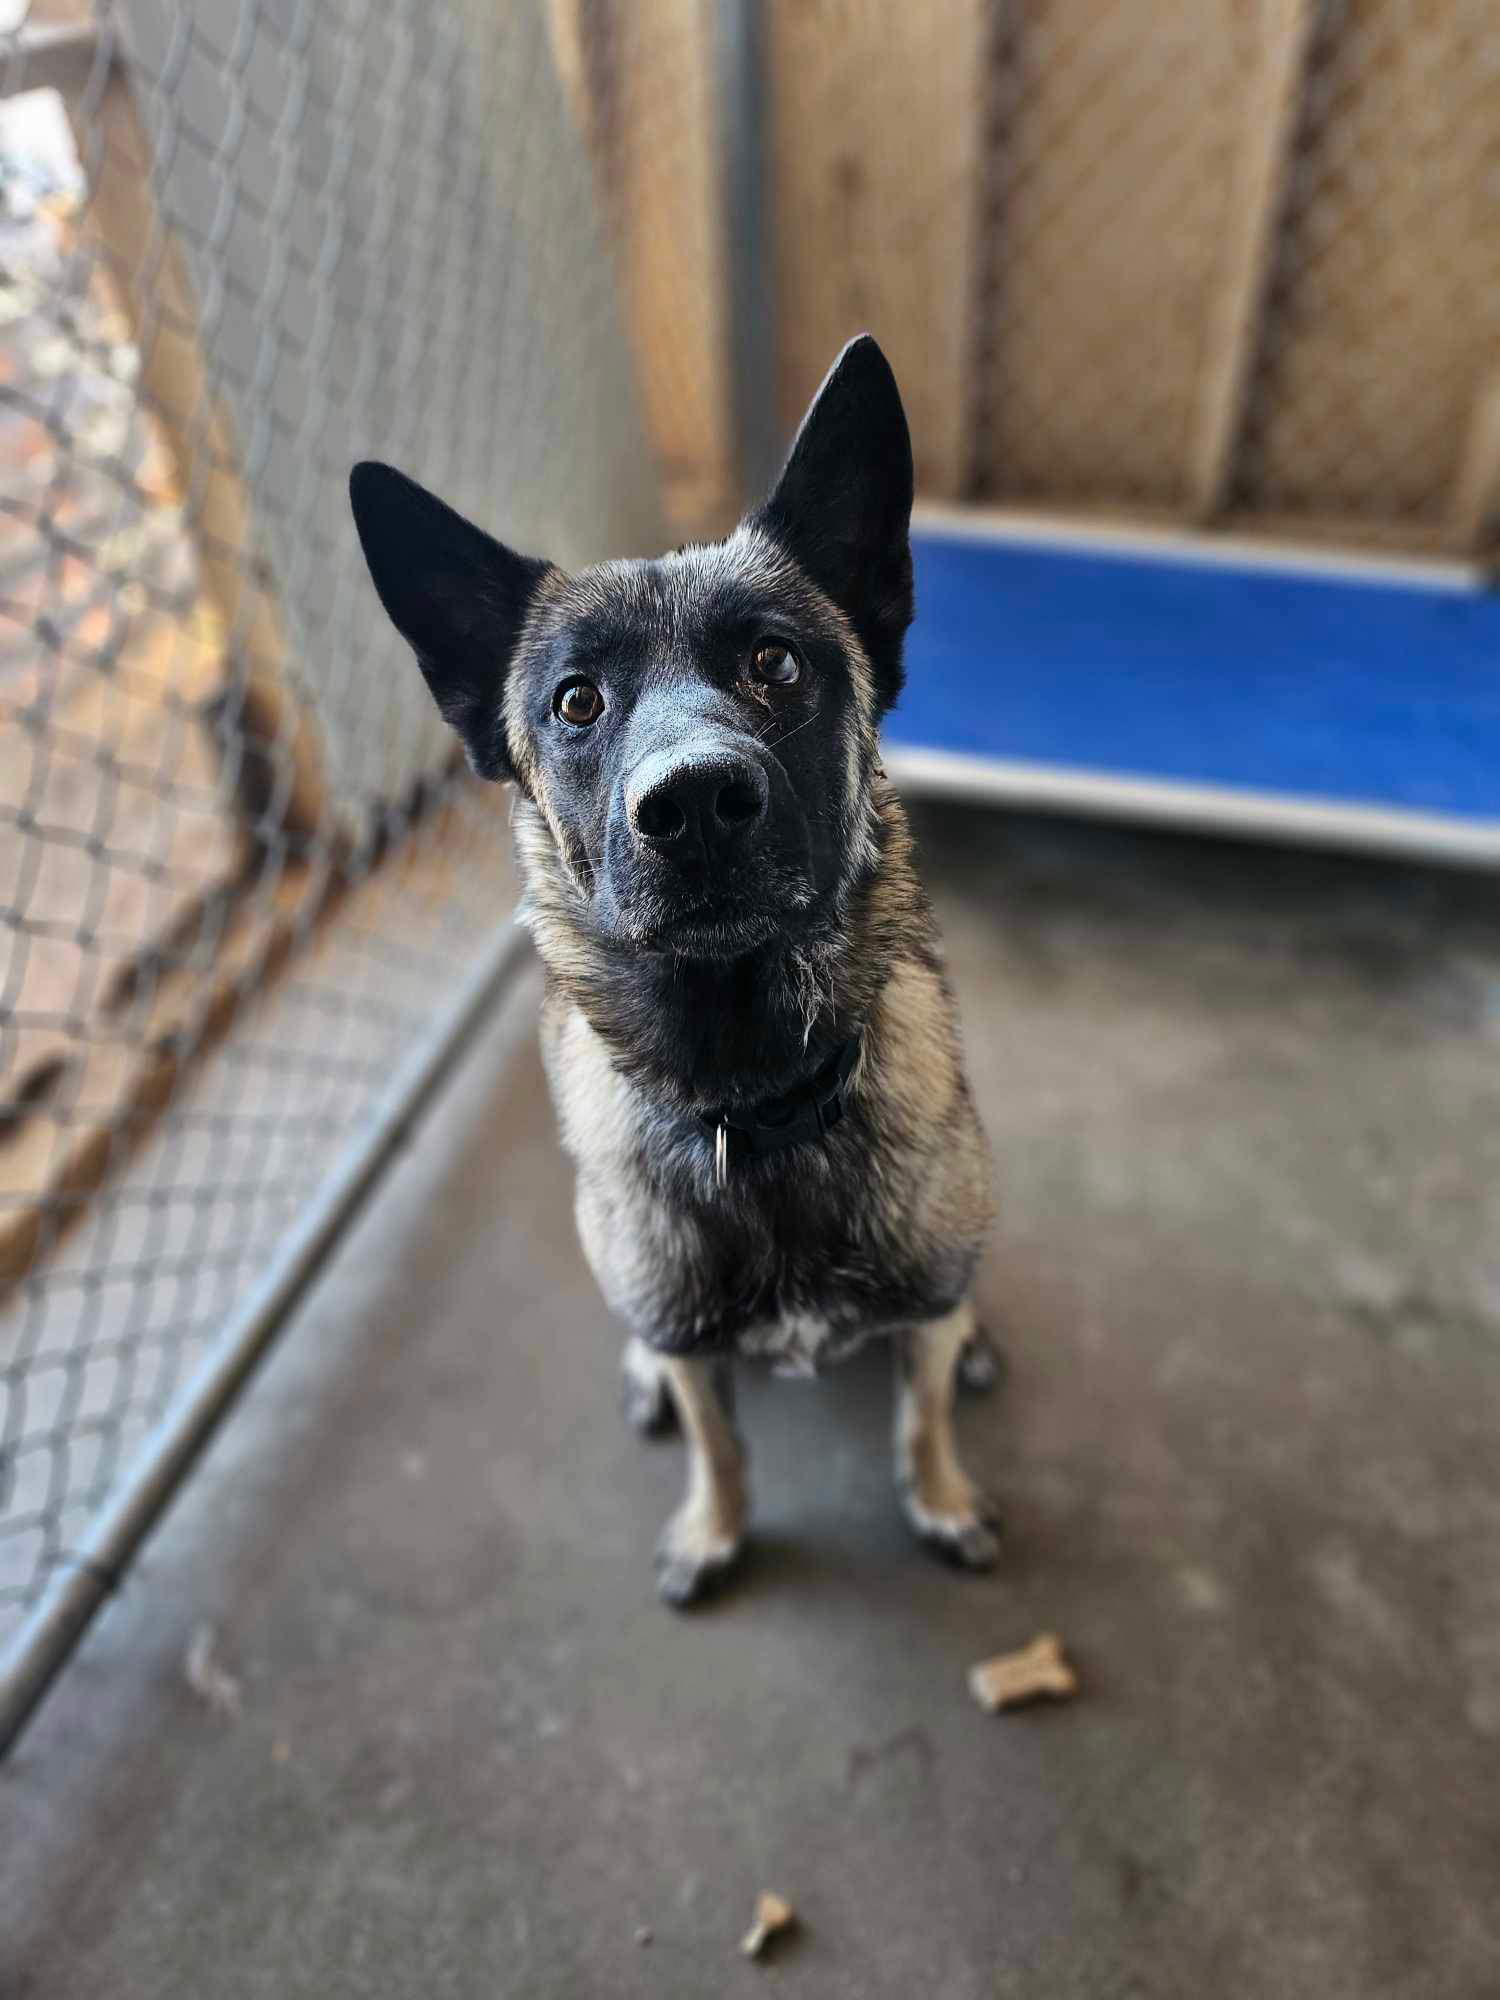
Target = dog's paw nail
(680,1581)
(685,1576)
(968,1541)
(976,1547)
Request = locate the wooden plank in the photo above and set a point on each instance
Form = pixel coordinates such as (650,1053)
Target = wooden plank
(876,138)
(115,824)
(148,267)
(1115,178)
(1271,115)
(640,81)
(1388,298)
(1475,508)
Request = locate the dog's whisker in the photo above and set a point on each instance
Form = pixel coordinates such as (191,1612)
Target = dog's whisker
(805,723)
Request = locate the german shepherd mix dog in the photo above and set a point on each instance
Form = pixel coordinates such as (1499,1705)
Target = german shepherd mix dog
(748,1029)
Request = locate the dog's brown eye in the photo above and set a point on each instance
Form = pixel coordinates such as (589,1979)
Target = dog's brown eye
(580,703)
(775,664)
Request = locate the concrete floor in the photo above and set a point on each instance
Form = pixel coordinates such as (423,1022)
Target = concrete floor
(1247,1112)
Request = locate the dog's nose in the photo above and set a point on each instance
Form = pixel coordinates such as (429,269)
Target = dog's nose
(711,800)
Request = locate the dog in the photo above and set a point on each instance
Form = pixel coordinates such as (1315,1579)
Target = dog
(751,1040)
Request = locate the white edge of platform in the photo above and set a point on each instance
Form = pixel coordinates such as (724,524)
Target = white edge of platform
(1018,528)
(1200,808)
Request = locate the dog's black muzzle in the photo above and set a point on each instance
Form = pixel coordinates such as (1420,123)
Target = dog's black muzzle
(698,805)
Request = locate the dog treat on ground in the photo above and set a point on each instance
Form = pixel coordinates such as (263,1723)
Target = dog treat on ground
(773,1913)
(1011,1678)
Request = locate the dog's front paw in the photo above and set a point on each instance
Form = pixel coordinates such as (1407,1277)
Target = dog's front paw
(964,1530)
(692,1555)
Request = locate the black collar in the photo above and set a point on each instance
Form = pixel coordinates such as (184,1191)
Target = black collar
(806,1112)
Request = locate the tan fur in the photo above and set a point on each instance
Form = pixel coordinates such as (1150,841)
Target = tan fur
(942,1502)
(706,1533)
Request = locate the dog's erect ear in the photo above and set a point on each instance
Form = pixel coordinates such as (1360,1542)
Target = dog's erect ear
(842,507)
(457,596)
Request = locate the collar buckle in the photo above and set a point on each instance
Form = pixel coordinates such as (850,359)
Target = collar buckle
(808,1112)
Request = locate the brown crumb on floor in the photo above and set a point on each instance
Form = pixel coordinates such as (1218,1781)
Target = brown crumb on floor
(773,1913)
(1012,1678)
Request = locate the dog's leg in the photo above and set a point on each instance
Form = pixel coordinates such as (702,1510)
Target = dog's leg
(706,1533)
(942,1503)
(645,1400)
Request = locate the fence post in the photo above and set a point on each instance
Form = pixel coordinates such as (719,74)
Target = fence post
(1263,175)
(740,68)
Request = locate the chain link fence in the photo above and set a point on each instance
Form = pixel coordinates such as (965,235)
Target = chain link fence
(1226,262)
(240,872)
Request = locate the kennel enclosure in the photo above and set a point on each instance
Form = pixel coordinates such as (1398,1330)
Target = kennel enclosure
(1196,308)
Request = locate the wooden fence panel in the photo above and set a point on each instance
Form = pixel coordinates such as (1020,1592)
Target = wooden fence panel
(1188,260)
(1386,327)
(876,129)
(1119,136)
(640,80)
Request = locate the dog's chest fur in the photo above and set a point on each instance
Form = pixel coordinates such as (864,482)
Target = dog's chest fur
(803,1343)
(806,1253)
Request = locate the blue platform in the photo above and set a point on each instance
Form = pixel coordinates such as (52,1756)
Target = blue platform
(1357,707)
